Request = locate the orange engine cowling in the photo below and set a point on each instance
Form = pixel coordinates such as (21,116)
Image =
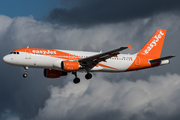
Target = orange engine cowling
(70,66)
(50,73)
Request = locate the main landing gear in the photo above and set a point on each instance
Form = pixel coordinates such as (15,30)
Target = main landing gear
(88,76)
(25,70)
(77,80)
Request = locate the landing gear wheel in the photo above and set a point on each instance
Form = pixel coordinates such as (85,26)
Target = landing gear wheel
(76,80)
(25,75)
(25,70)
(88,76)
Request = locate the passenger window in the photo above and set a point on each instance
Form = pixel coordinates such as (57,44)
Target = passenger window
(17,52)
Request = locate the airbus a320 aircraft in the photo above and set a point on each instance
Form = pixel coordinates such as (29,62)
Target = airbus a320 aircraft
(57,63)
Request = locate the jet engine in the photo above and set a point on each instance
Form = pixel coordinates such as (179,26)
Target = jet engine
(51,73)
(70,66)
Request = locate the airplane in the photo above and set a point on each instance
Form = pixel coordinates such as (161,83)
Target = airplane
(57,63)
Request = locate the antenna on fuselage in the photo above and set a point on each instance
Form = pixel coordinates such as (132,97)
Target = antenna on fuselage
(27,46)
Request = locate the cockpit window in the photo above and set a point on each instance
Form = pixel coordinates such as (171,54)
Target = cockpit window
(14,53)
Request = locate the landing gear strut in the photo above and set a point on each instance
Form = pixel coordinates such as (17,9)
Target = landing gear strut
(76,79)
(25,70)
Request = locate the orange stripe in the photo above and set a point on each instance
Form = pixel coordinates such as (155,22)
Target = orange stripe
(107,66)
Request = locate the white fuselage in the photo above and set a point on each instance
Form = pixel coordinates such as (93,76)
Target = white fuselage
(33,60)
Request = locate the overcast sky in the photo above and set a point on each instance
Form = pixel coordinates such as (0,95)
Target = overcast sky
(91,25)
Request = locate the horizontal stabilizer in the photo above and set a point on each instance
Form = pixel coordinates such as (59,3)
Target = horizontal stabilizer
(160,59)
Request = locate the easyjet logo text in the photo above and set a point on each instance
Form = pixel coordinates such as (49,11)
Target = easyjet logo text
(43,52)
(153,43)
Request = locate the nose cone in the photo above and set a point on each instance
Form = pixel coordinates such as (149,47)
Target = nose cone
(6,59)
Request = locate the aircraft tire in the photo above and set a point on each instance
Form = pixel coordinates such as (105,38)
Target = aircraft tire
(25,75)
(76,80)
(88,76)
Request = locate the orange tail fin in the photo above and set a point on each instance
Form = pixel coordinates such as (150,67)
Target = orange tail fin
(154,46)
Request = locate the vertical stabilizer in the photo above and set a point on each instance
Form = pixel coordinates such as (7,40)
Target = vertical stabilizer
(154,46)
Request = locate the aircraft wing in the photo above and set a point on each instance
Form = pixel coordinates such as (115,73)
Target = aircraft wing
(92,61)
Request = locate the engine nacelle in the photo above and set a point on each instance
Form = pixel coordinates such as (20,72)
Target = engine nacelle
(70,66)
(50,73)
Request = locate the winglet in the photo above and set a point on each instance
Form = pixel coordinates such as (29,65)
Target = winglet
(129,46)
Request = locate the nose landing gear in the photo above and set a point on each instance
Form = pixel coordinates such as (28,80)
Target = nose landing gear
(25,70)
(25,75)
